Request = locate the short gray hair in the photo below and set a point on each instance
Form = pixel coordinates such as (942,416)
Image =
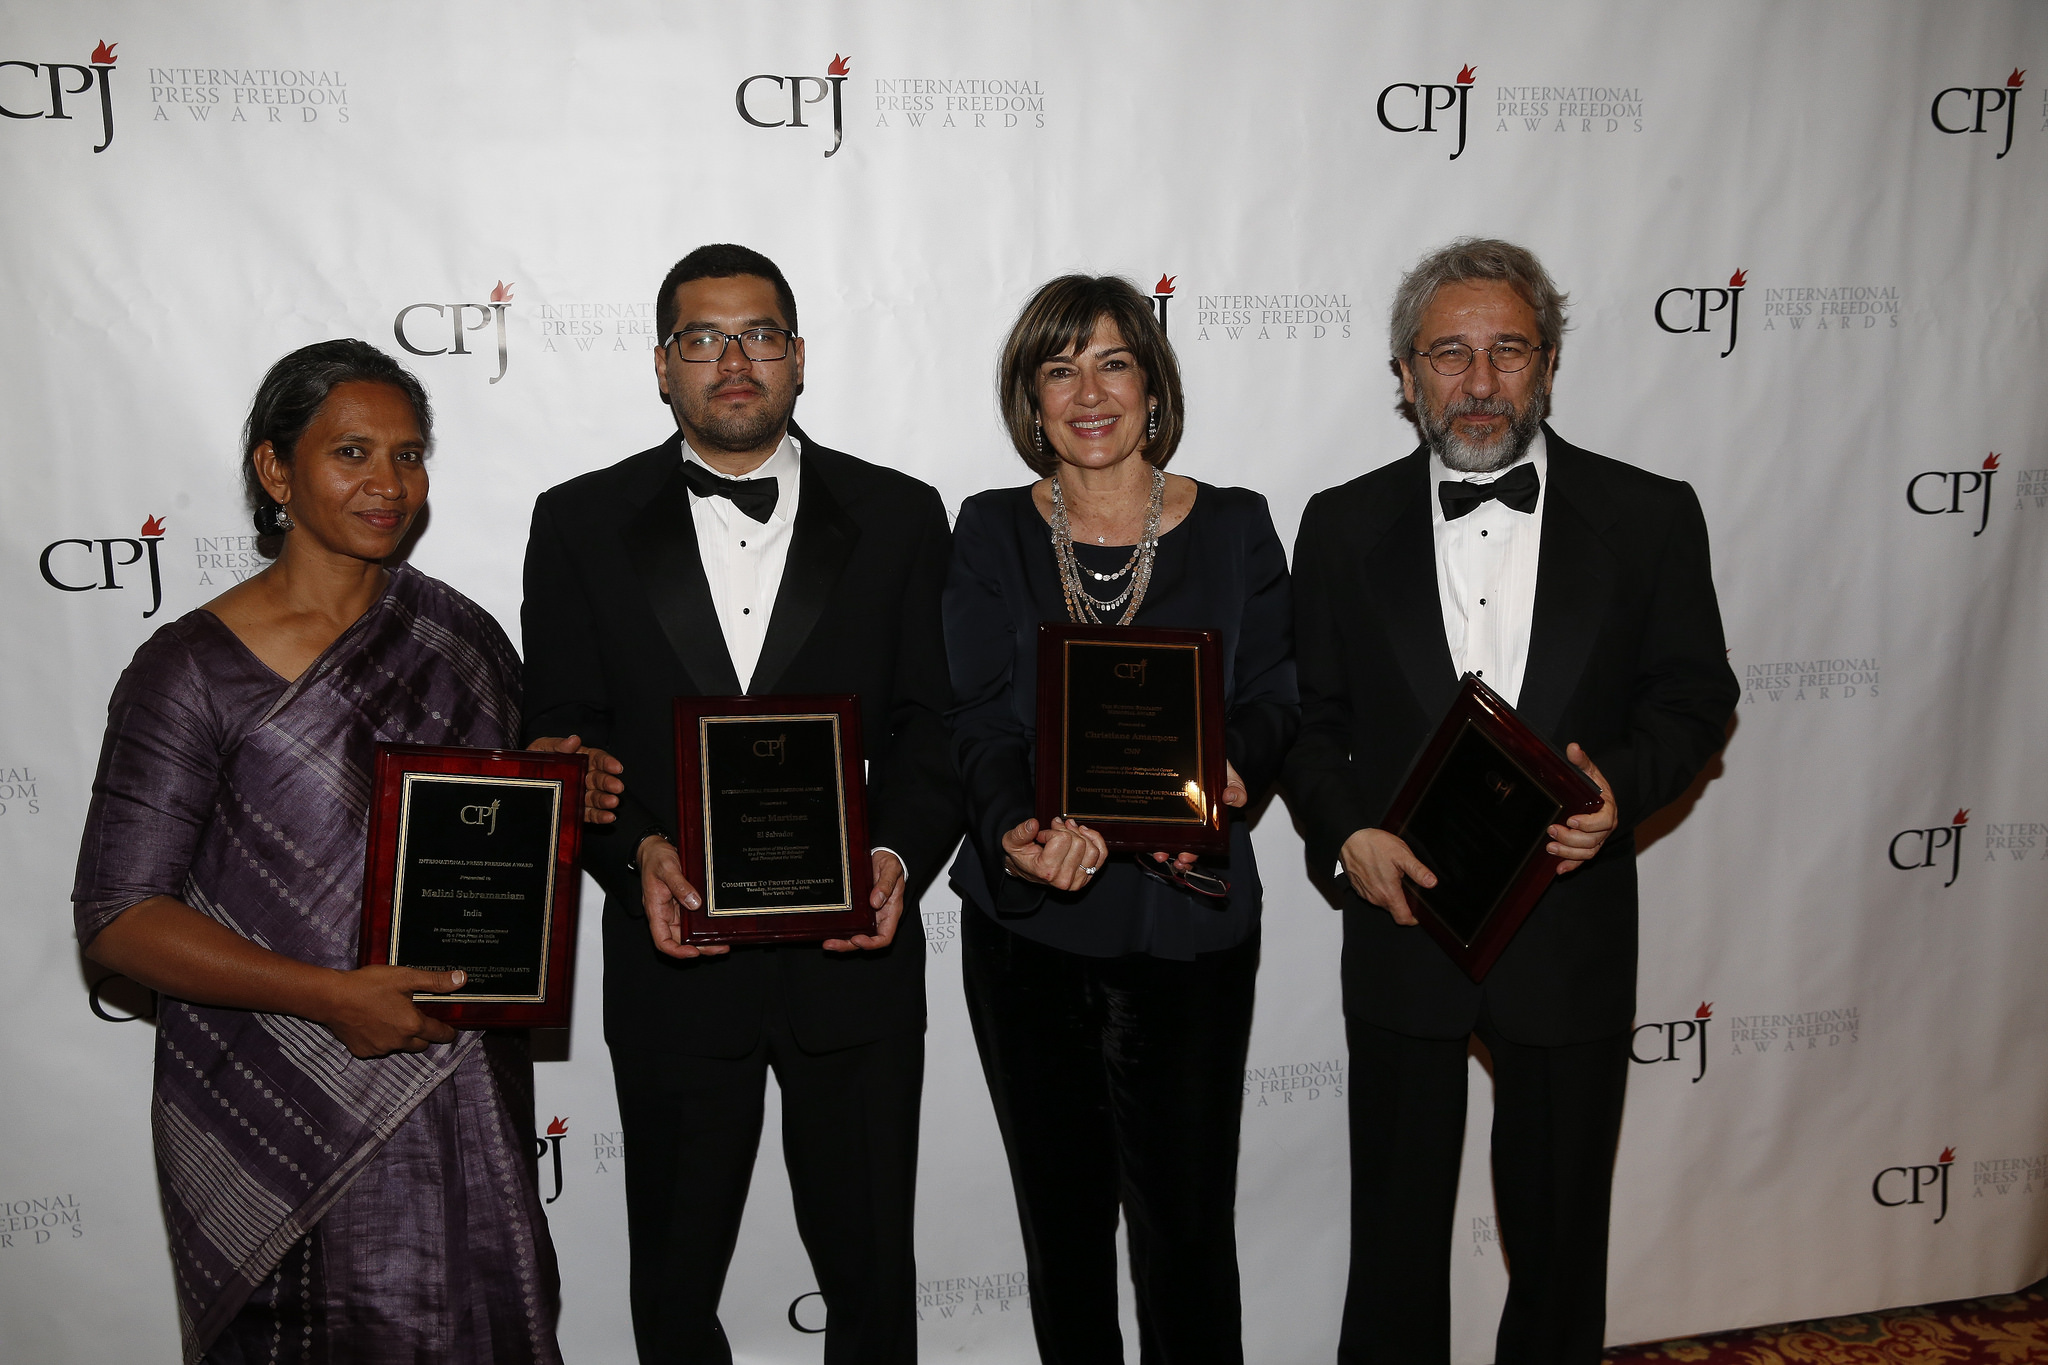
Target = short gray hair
(1477,258)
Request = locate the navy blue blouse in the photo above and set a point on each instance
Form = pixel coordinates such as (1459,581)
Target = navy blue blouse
(1223,569)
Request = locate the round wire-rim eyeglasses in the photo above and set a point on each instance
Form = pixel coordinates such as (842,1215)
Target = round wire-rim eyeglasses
(1455,357)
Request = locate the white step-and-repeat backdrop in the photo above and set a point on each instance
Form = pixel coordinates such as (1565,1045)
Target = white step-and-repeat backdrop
(1804,245)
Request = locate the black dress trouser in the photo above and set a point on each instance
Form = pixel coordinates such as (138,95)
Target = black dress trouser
(1118,1085)
(691,1127)
(1556,1119)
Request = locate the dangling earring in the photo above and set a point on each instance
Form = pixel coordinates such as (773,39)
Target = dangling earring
(1037,437)
(1152,424)
(280,519)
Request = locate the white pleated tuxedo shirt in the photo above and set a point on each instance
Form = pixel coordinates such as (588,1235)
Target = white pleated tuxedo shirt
(744,558)
(1486,574)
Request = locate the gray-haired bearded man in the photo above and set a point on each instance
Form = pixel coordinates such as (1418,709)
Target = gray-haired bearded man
(1579,588)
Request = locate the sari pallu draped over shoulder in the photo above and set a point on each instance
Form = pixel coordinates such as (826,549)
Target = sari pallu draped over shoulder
(248,799)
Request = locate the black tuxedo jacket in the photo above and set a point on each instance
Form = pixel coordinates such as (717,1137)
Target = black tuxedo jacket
(1625,657)
(618,621)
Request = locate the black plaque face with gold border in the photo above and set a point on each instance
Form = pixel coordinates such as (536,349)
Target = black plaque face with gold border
(1130,735)
(473,865)
(774,829)
(1476,809)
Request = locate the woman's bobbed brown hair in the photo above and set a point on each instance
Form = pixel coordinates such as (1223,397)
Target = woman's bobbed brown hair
(1058,320)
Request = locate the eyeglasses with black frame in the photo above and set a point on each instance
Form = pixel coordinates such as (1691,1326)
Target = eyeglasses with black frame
(707,345)
(1455,357)
(1201,883)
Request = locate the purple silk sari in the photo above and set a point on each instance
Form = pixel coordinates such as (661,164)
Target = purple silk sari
(320,1207)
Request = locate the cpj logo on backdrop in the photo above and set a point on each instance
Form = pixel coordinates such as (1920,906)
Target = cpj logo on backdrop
(24,97)
(1911,850)
(1666,1039)
(1716,310)
(1953,108)
(421,336)
(1417,105)
(76,564)
(1718,303)
(830,85)
(1427,107)
(548,1146)
(1940,492)
(1897,1186)
(927,102)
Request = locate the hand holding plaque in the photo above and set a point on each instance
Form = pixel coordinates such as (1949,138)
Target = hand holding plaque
(472,866)
(1130,735)
(1476,811)
(774,819)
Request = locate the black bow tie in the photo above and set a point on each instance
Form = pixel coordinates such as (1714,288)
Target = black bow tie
(1516,489)
(755,497)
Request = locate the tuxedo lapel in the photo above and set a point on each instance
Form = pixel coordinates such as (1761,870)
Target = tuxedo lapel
(1576,576)
(1398,577)
(661,542)
(819,545)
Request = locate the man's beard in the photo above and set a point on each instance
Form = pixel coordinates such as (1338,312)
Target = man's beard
(739,432)
(1440,432)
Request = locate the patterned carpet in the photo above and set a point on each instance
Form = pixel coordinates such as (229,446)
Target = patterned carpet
(2006,1329)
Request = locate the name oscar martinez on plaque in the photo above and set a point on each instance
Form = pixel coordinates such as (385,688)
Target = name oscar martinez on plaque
(1476,808)
(1130,735)
(473,863)
(774,818)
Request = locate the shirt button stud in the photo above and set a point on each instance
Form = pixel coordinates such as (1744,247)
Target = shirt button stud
(746,611)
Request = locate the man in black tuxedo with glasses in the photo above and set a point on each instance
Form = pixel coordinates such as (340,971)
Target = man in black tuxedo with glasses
(1578,588)
(739,555)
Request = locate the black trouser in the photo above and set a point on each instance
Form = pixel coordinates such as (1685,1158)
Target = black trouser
(1118,1083)
(849,1137)
(1556,1118)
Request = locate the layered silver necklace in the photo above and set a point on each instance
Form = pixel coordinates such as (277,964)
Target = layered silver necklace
(1084,606)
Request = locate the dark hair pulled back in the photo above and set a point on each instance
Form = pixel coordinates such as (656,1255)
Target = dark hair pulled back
(293,392)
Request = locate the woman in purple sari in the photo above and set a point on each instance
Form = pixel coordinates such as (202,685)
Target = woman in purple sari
(344,1178)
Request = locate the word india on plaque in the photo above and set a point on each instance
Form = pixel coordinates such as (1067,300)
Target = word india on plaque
(1476,809)
(473,863)
(1130,735)
(772,799)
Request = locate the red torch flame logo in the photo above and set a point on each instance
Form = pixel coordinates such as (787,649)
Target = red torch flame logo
(1962,817)
(1991,460)
(1465,74)
(1738,279)
(1165,285)
(103,55)
(1948,1154)
(153,527)
(2017,79)
(841,66)
(558,1128)
(502,294)
(1705,1011)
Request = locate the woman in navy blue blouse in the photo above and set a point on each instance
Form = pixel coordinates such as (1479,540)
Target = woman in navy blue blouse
(1111,995)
